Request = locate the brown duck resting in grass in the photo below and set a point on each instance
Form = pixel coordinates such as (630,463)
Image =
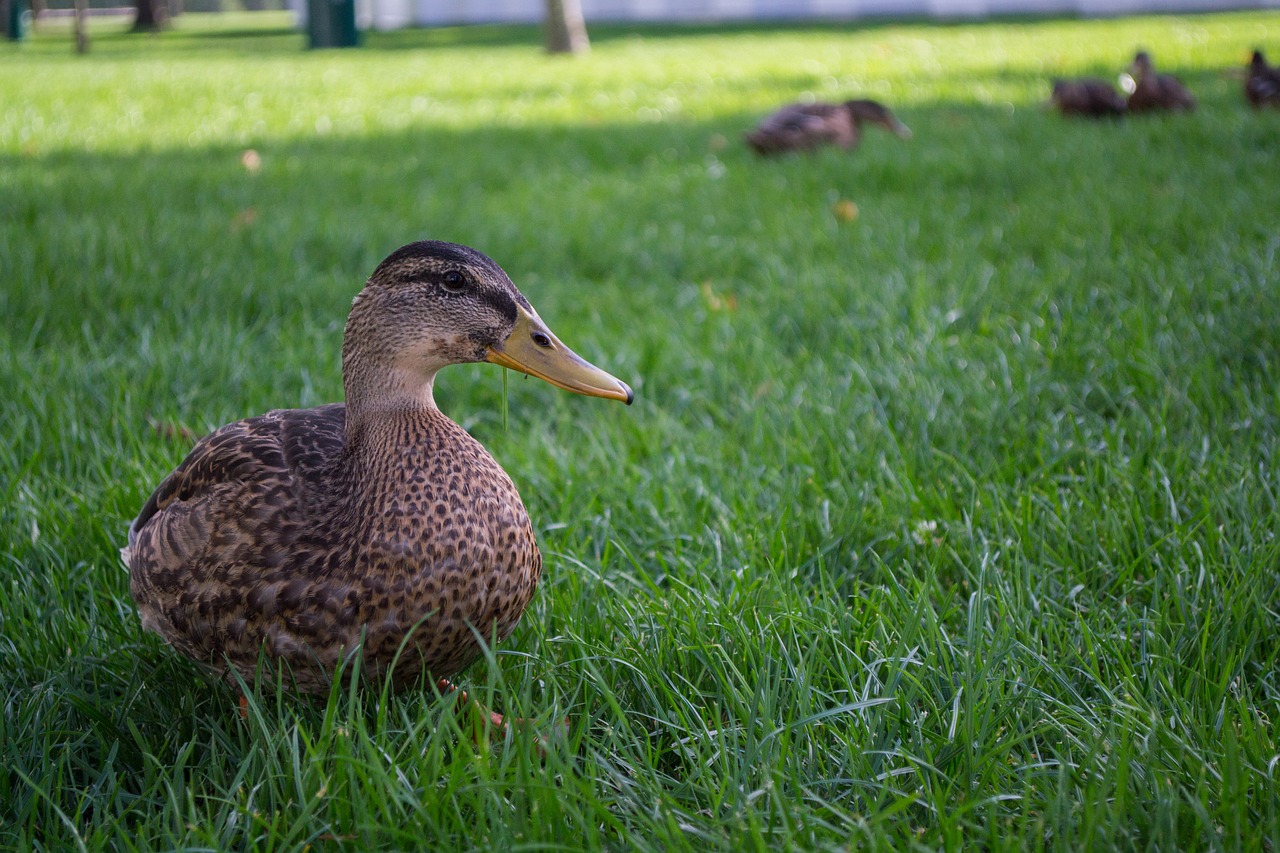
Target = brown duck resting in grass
(301,535)
(1153,91)
(1262,83)
(1089,97)
(806,127)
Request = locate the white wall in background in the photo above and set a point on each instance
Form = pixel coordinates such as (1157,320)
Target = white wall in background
(530,11)
(392,14)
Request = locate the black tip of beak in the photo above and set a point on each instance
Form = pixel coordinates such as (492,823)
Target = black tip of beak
(631,395)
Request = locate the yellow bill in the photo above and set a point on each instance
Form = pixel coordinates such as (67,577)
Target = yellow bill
(532,349)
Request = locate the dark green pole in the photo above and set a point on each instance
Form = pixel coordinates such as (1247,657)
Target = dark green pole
(332,23)
(16,22)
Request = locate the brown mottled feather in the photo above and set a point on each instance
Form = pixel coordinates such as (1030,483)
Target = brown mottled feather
(806,127)
(302,533)
(1262,83)
(1088,97)
(1153,91)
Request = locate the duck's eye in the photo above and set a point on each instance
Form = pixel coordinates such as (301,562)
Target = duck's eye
(454,281)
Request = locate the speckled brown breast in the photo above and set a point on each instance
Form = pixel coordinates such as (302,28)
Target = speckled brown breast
(282,538)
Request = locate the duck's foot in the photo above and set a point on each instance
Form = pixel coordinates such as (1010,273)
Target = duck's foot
(493,721)
(445,686)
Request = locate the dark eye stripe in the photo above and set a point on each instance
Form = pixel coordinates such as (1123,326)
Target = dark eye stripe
(500,302)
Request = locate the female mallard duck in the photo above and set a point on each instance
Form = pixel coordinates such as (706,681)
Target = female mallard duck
(1152,91)
(1262,83)
(303,534)
(805,127)
(1087,96)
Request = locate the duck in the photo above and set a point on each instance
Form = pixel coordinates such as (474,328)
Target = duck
(1152,91)
(806,127)
(1262,83)
(377,526)
(1087,96)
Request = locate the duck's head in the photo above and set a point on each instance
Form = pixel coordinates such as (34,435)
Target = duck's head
(1257,62)
(1141,66)
(431,304)
(877,113)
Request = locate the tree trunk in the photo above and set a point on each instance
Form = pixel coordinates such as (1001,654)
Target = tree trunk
(82,26)
(153,16)
(566,30)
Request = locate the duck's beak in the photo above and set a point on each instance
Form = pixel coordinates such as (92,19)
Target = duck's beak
(899,129)
(532,349)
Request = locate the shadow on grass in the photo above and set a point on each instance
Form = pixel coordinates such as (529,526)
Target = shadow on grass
(547,193)
(96,246)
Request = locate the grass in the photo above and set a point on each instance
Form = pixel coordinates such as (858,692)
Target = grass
(951,525)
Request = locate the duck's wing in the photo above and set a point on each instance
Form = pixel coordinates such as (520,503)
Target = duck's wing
(1089,97)
(1176,93)
(1165,92)
(1263,86)
(237,511)
(787,129)
(796,118)
(285,447)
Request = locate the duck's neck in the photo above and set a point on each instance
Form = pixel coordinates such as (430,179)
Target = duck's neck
(392,426)
(389,451)
(388,391)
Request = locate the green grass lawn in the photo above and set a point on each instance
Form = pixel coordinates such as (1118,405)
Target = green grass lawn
(951,525)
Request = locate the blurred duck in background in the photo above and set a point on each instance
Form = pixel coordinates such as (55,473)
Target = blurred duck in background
(1088,97)
(1150,91)
(807,127)
(1262,83)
